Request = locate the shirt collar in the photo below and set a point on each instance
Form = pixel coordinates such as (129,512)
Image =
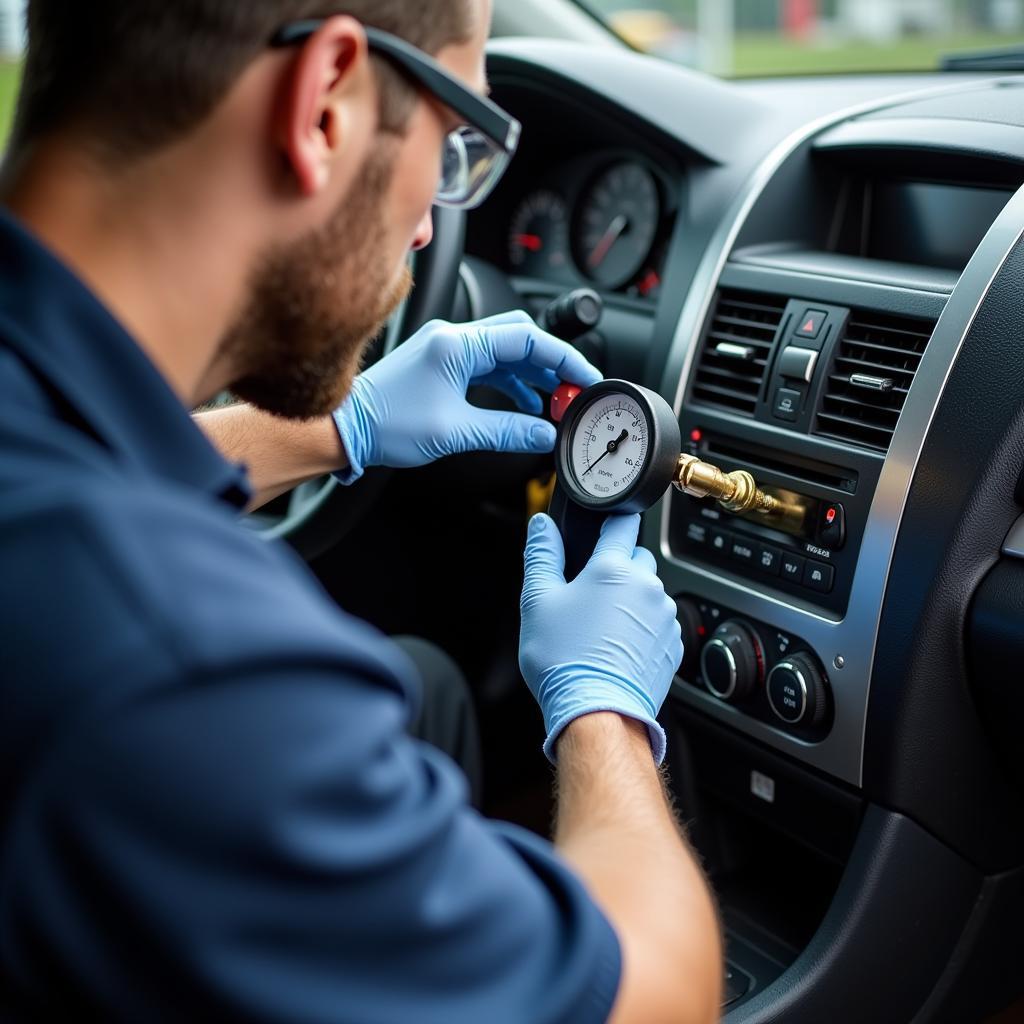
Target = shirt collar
(57,326)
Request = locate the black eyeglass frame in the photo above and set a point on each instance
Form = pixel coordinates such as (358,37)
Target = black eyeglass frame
(478,111)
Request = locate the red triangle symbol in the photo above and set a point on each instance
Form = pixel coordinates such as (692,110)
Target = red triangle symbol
(808,327)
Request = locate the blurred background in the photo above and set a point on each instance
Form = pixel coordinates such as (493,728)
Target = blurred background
(741,38)
(773,37)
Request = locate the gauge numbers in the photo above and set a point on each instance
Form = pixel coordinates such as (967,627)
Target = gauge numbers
(539,235)
(609,446)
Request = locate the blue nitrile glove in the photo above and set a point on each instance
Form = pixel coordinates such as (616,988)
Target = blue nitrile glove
(608,641)
(411,408)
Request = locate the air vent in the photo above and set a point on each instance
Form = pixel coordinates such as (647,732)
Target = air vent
(735,355)
(871,376)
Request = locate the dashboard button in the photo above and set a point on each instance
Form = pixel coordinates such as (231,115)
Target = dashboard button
(721,541)
(793,568)
(798,363)
(742,550)
(811,323)
(832,526)
(698,534)
(769,559)
(787,404)
(819,576)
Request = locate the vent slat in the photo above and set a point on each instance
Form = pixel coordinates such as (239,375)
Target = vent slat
(874,346)
(724,392)
(738,339)
(878,346)
(740,318)
(866,365)
(723,373)
(741,321)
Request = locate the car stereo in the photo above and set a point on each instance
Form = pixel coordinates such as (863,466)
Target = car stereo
(811,555)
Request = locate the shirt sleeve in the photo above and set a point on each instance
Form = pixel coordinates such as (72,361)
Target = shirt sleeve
(269,845)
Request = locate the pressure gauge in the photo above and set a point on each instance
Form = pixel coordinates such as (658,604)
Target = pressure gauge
(618,448)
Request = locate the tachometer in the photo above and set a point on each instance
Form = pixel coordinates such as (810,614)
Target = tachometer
(618,223)
(539,236)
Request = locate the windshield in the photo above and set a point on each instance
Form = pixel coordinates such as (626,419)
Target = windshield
(737,38)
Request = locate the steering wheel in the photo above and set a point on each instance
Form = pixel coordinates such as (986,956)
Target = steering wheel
(322,511)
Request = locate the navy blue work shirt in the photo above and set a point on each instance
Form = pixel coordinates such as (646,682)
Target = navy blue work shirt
(210,807)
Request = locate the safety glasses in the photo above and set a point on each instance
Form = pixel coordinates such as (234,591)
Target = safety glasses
(476,155)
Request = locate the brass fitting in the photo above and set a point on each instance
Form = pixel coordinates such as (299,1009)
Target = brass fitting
(735,492)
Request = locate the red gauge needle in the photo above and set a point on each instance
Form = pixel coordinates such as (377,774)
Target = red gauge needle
(532,242)
(610,237)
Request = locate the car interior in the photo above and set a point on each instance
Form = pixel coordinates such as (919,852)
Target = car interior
(823,276)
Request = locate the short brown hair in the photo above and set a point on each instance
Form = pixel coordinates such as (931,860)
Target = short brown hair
(138,74)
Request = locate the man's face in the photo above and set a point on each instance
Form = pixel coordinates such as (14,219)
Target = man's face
(315,304)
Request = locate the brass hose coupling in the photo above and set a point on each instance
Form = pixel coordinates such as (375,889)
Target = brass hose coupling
(735,492)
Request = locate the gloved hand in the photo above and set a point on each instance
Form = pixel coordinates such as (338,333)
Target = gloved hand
(608,641)
(411,408)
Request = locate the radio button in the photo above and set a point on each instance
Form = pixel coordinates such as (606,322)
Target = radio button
(721,541)
(819,576)
(832,526)
(743,550)
(793,568)
(698,534)
(769,559)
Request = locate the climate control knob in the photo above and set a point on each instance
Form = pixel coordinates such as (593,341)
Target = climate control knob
(692,627)
(796,691)
(732,662)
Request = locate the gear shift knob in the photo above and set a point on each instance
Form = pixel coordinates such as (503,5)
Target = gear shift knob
(574,314)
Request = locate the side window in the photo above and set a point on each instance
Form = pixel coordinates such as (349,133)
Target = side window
(12,38)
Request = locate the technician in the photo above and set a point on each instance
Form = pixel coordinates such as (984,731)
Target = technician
(211,807)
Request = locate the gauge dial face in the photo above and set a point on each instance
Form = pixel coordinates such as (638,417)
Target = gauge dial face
(609,446)
(539,235)
(618,224)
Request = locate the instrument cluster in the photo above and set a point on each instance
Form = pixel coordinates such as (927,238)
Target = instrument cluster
(602,220)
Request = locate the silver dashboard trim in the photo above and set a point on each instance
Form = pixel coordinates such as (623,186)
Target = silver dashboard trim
(1014,543)
(855,637)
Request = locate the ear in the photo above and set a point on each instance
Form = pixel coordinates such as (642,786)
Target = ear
(329,102)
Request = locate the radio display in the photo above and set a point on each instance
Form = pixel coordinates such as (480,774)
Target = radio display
(799,521)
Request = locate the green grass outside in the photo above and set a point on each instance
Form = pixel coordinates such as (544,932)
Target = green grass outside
(773,55)
(9,76)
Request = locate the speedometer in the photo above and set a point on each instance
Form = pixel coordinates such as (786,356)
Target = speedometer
(618,224)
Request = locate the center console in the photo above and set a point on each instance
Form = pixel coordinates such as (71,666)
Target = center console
(813,351)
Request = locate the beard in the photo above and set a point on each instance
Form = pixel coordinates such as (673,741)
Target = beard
(316,304)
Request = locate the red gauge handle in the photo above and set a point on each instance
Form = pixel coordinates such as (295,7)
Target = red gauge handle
(562,399)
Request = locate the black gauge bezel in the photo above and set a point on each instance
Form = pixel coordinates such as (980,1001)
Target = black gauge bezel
(581,205)
(663,449)
(525,268)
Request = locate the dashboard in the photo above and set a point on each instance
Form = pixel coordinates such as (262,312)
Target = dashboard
(823,278)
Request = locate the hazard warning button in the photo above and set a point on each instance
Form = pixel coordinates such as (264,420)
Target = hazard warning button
(811,323)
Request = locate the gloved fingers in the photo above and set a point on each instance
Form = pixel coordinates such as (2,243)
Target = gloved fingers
(514,343)
(512,316)
(526,399)
(488,431)
(543,380)
(545,557)
(643,557)
(618,536)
